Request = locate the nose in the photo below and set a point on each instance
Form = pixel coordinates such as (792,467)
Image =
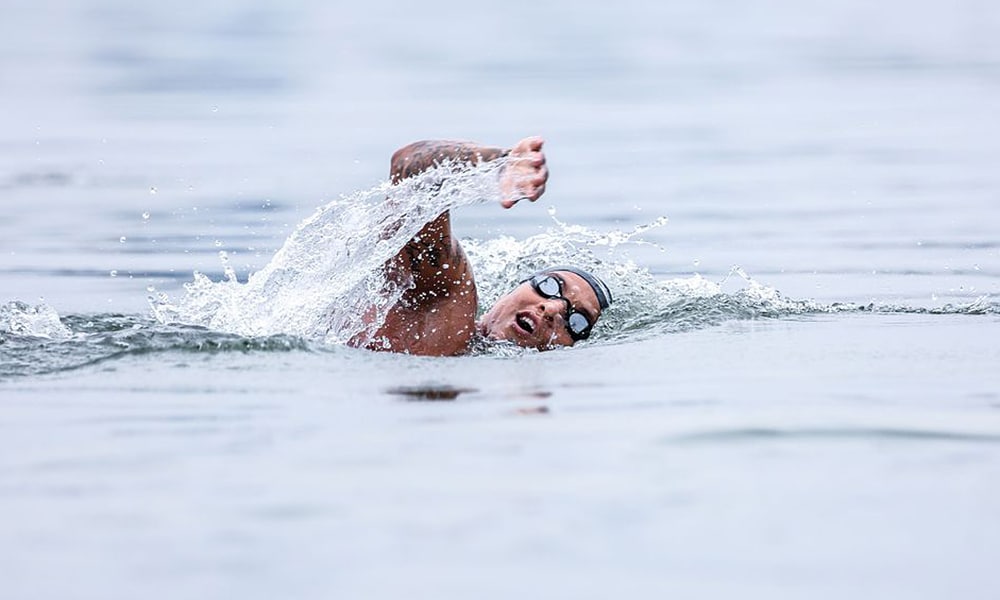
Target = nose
(552,307)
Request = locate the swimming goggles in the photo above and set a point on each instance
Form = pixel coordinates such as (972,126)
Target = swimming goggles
(550,286)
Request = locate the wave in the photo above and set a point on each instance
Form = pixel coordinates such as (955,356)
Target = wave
(327,283)
(314,292)
(34,340)
(38,347)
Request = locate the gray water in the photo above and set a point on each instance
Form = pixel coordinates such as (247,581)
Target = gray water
(820,422)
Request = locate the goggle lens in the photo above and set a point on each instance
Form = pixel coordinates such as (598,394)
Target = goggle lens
(550,287)
(578,323)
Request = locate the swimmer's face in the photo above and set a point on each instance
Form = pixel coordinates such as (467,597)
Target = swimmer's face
(528,318)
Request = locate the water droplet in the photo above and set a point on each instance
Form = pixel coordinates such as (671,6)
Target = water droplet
(113,273)
(152,190)
(975,267)
(122,239)
(150,288)
(218,243)
(145,215)
(697,262)
(223,256)
(215,109)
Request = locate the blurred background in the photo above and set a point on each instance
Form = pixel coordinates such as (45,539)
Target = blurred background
(837,150)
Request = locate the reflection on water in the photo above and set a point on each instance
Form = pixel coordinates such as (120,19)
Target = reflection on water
(433,393)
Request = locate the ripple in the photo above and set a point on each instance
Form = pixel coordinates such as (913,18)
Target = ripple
(758,434)
(98,339)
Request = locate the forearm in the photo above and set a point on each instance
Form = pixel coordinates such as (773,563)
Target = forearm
(433,259)
(421,156)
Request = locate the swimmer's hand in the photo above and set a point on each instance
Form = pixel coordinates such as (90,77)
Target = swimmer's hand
(525,173)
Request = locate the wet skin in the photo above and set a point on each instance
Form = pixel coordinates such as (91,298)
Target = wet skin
(436,315)
(529,319)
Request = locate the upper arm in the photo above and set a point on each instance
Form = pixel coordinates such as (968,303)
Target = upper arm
(433,259)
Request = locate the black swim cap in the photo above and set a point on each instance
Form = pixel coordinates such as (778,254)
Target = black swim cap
(601,289)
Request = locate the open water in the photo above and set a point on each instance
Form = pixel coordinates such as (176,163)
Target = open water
(797,394)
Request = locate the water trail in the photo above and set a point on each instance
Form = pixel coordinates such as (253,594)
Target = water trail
(34,340)
(90,340)
(329,274)
(326,282)
(315,291)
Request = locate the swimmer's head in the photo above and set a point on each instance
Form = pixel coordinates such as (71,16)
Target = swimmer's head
(554,307)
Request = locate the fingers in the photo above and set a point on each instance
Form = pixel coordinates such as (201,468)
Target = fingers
(528,144)
(526,172)
(538,193)
(541,177)
(529,160)
(530,195)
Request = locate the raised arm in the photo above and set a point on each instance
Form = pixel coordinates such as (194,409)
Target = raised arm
(436,315)
(420,156)
(433,258)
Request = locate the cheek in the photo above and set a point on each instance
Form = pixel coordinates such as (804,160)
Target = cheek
(511,304)
(500,311)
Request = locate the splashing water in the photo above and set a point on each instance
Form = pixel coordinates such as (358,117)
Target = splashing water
(327,281)
(21,319)
(313,294)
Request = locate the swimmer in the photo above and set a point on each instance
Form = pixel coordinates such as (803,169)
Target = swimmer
(436,316)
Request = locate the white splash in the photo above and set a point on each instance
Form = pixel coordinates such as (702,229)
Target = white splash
(42,321)
(327,281)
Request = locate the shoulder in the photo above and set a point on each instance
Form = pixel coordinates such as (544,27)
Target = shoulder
(441,328)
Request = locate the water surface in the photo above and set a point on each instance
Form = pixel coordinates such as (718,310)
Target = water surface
(821,422)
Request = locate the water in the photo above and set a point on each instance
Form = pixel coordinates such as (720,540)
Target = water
(796,395)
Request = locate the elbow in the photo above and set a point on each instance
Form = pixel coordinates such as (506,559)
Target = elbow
(403,161)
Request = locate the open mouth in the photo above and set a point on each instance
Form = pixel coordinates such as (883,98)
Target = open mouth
(525,323)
